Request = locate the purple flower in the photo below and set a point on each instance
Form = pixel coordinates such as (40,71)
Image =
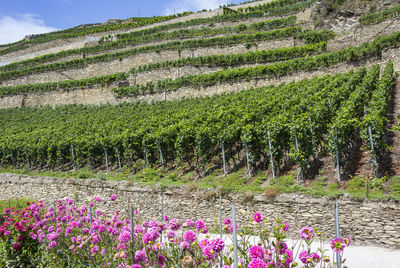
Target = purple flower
(113,197)
(286,227)
(218,245)
(338,244)
(166,218)
(208,252)
(315,257)
(94,249)
(204,243)
(171,234)
(189,222)
(256,252)
(258,217)
(189,236)
(257,263)
(97,199)
(136,266)
(199,224)
(91,204)
(161,260)
(16,246)
(103,251)
(204,230)
(304,257)
(52,244)
(140,255)
(307,233)
(184,245)
(347,240)
(289,257)
(124,237)
(174,224)
(227,221)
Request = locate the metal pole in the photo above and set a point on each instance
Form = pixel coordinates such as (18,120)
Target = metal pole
(337,231)
(90,212)
(9,208)
(132,235)
(337,159)
(162,209)
(271,156)
(370,138)
(223,158)
(220,226)
(235,253)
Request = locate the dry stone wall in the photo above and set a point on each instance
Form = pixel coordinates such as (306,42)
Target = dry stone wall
(125,64)
(366,222)
(103,95)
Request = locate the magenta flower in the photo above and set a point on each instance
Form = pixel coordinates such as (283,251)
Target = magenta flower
(286,227)
(189,236)
(257,263)
(20,238)
(315,257)
(136,266)
(113,197)
(166,218)
(204,230)
(140,255)
(52,244)
(208,252)
(161,260)
(16,246)
(256,252)
(203,243)
(171,234)
(94,249)
(289,257)
(174,224)
(338,244)
(218,245)
(258,217)
(124,237)
(199,224)
(227,221)
(304,257)
(97,199)
(307,233)
(189,222)
(184,245)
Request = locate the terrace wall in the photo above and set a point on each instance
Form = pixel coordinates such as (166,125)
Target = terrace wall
(366,222)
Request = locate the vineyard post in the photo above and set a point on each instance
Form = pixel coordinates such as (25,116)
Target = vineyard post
(372,149)
(223,158)
(297,149)
(247,155)
(235,249)
(90,213)
(145,152)
(271,156)
(17,204)
(132,235)
(161,154)
(119,161)
(73,155)
(9,208)
(337,159)
(337,231)
(162,208)
(106,156)
(220,226)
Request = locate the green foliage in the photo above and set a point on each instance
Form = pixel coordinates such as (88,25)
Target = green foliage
(380,16)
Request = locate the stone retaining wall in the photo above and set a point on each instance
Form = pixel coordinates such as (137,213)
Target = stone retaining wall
(367,222)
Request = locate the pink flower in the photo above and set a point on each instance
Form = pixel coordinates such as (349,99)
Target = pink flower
(52,244)
(174,224)
(315,257)
(184,245)
(97,199)
(256,252)
(199,224)
(338,244)
(189,222)
(307,233)
(94,249)
(20,238)
(258,217)
(16,246)
(286,227)
(289,257)
(124,237)
(218,245)
(189,236)
(347,240)
(304,257)
(171,234)
(208,252)
(257,263)
(161,260)
(113,197)
(166,218)
(205,242)
(227,221)
(140,255)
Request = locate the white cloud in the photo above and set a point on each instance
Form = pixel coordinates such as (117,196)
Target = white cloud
(14,29)
(193,5)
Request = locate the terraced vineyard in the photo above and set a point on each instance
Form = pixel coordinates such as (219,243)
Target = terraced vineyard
(260,86)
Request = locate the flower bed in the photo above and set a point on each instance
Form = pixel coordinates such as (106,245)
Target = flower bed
(46,235)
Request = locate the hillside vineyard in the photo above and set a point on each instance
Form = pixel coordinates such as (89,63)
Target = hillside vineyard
(264,84)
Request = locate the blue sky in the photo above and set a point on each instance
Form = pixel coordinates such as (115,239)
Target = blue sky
(22,17)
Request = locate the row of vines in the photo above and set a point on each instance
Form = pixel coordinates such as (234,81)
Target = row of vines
(292,120)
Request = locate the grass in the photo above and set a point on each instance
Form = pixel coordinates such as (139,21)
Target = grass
(14,203)
(358,187)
